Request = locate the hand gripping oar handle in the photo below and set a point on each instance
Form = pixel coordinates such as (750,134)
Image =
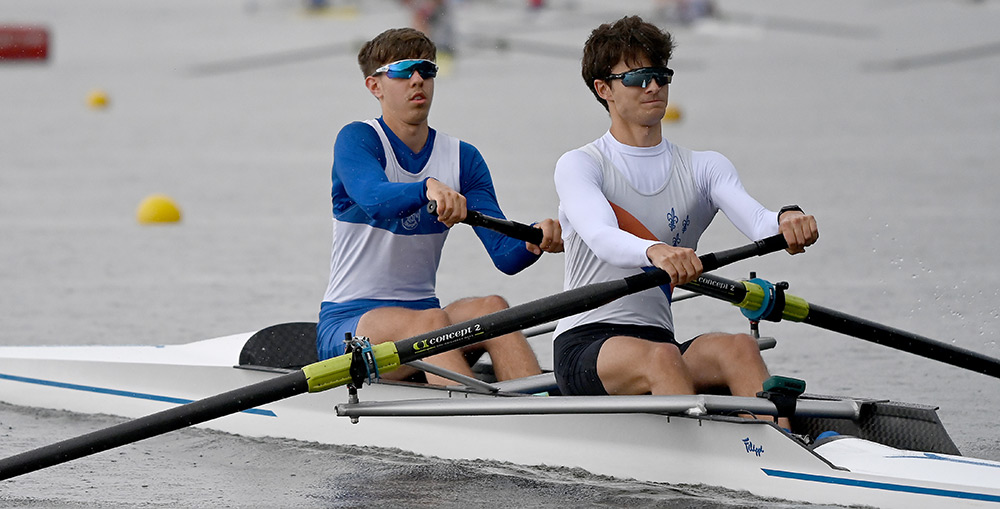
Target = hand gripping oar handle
(751,295)
(335,372)
(513,229)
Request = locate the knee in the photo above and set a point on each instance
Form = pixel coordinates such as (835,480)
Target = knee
(664,355)
(743,346)
(668,369)
(433,319)
(493,303)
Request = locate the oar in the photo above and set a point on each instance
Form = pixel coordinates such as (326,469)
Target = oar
(509,228)
(545,329)
(387,356)
(774,304)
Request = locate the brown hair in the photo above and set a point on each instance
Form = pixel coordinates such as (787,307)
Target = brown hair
(392,45)
(629,39)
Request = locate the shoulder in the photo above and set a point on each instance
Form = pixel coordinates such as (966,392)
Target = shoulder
(711,161)
(577,158)
(582,156)
(576,164)
(466,149)
(469,157)
(357,131)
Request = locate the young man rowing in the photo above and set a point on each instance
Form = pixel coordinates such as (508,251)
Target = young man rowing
(386,247)
(632,199)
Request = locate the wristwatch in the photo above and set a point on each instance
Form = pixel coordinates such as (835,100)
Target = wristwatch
(787,208)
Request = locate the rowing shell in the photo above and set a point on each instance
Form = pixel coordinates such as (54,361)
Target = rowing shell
(887,454)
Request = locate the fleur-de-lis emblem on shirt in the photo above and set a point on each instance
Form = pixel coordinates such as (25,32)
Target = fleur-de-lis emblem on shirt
(686,223)
(672,219)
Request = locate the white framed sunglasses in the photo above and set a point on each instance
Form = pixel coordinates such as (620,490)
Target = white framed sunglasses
(404,69)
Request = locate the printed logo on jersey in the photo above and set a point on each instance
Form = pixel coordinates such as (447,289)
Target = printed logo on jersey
(412,221)
(673,219)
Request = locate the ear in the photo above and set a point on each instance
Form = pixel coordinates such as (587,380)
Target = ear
(603,90)
(374,86)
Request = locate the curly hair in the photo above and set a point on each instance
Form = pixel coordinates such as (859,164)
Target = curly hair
(392,45)
(628,39)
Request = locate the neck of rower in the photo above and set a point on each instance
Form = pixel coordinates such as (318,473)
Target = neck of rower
(636,135)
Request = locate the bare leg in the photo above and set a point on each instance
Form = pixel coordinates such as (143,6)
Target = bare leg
(728,360)
(628,365)
(392,324)
(511,354)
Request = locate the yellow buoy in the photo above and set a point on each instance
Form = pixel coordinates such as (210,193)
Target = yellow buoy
(673,114)
(445,62)
(98,99)
(157,208)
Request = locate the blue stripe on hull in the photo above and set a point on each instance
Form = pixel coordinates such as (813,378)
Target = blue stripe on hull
(882,486)
(114,392)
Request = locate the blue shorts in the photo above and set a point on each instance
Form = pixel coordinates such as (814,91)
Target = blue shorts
(575,353)
(337,319)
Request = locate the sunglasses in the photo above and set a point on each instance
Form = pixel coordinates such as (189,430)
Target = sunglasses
(403,69)
(644,76)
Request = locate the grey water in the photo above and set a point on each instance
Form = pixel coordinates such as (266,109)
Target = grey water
(877,117)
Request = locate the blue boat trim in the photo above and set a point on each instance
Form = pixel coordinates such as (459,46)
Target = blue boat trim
(115,392)
(938,457)
(881,485)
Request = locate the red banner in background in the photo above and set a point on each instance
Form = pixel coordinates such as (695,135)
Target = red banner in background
(24,42)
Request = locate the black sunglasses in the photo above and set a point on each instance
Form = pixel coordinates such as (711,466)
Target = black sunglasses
(642,77)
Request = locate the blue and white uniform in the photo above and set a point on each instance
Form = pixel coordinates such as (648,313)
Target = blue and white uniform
(386,247)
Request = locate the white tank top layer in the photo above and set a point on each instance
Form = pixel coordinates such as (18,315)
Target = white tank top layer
(617,200)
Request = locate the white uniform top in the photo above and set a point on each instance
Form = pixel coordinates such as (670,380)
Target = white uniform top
(397,259)
(615,198)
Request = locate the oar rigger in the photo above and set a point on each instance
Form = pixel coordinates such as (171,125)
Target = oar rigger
(363,368)
(363,365)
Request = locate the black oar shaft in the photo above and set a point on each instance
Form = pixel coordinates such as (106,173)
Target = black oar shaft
(799,310)
(529,314)
(173,419)
(843,323)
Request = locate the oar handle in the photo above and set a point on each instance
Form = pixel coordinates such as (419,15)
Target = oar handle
(712,261)
(513,229)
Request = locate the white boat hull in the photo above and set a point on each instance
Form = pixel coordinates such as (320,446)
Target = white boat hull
(737,454)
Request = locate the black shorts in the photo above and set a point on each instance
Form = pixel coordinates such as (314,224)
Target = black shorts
(575,353)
